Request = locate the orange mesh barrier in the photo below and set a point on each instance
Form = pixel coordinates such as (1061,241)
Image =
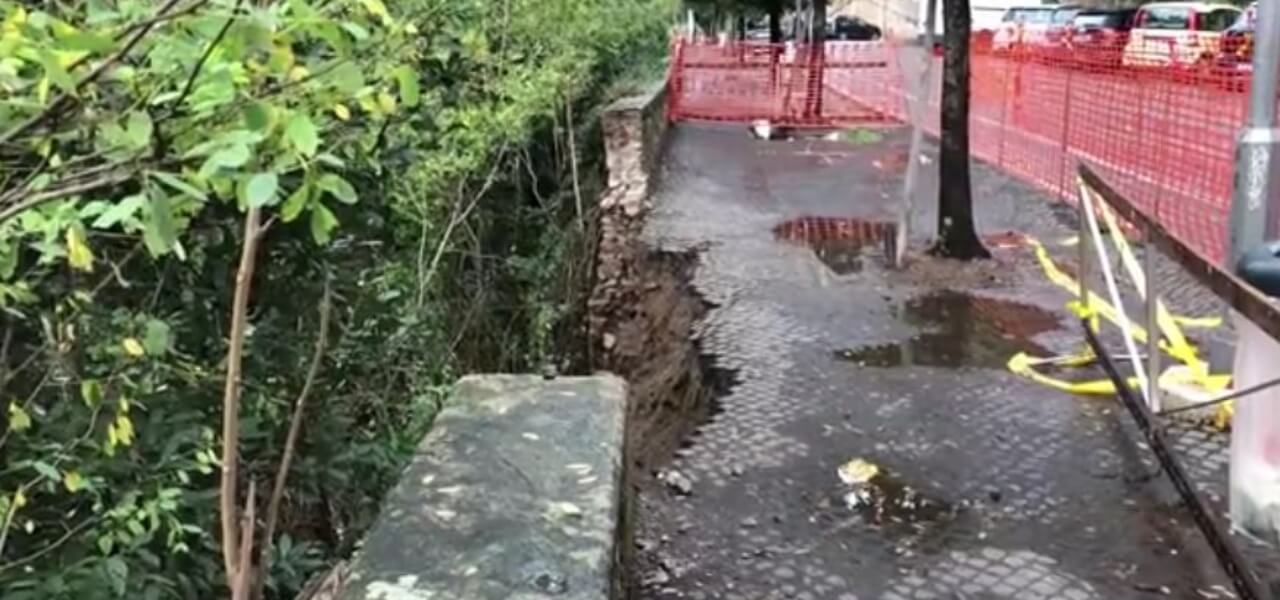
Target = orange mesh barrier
(1158,120)
(848,82)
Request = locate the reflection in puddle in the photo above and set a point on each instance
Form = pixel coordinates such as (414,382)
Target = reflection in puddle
(839,242)
(885,500)
(962,331)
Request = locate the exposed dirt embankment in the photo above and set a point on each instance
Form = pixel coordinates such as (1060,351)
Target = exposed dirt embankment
(650,341)
(643,311)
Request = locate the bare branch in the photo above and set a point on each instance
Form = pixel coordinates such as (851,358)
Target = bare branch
(70,189)
(231,398)
(244,569)
(195,71)
(573,162)
(427,274)
(54,545)
(295,429)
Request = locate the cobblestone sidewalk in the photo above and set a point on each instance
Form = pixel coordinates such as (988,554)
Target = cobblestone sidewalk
(990,486)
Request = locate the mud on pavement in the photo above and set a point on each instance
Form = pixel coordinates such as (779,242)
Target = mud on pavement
(771,354)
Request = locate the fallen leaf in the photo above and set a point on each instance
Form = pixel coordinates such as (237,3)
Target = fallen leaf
(857,471)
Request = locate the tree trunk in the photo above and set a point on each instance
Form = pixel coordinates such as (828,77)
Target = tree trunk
(742,28)
(817,49)
(957,237)
(775,22)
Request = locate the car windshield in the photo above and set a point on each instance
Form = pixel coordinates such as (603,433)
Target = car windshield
(1064,15)
(1110,20)
(1028,15)
(1166,17)
(1217,20)
(1246,20)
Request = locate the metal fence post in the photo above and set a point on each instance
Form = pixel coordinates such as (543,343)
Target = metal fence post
(1082,241)
(1153,329)
(916,110)
(1066,145)
(1254,187)
(1004,111)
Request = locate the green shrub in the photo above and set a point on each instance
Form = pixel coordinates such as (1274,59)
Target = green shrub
(411,163)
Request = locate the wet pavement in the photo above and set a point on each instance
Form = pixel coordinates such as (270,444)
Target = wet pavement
(986,485)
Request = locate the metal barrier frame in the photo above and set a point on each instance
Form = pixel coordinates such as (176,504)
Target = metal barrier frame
(1241,296)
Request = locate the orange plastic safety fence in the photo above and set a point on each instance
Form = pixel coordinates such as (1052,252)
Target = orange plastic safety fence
(1158,119)
(845,83)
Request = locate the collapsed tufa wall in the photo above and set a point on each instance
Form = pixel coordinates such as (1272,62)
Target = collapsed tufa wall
(634,130)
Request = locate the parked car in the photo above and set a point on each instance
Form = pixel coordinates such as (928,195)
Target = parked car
(1022,26)
(758,34)
(1177,33)
(1055,34)
(852,28)
(1099,36)
(1235,53)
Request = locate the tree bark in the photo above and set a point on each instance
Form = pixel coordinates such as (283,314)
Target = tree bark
(228,498)
(817,50)
(957,237)
(775,22)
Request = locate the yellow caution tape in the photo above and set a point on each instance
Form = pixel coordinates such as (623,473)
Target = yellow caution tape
(1178,346)
(1192,371)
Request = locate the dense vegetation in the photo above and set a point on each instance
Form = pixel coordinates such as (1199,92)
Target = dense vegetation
(403,185)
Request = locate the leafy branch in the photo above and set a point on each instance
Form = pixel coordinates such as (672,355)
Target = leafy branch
(66,100)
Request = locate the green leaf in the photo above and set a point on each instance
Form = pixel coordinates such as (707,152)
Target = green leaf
(86,41)
(120,211)
(180,185)
(19,420)
(118,574)
(157,337)
(339,187)
(347,78)
(160,233)
(8,260)
(322,224)
(357,32)
(302,134)
(55,72)
(257,116)
(47,470)
(91,392)
(261,189)
(230,157)
(407,80)
(138,129)
(296,202)
(94,208)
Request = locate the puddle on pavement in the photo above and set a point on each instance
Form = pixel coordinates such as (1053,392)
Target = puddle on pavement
(961,330)
(886,500)
(840,243)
